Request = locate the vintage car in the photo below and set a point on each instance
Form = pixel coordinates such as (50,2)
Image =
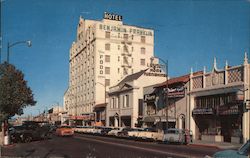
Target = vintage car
(30,130)
(174,135)
(243,152)
(64,131)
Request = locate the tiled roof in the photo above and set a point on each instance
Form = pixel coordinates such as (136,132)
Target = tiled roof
(181,79)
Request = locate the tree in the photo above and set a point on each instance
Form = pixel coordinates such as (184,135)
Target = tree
(15,95)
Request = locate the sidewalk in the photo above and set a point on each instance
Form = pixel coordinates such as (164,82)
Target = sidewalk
(217,145)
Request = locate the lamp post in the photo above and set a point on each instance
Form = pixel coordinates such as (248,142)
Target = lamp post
(104,85)
(13,44)
(166,85)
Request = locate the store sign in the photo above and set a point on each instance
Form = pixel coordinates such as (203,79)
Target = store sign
(155,70)
(176,92)
(149,97)
(203,111)
(111,16)
(229,110)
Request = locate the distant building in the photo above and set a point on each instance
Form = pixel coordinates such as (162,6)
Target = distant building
(102,54)
(55,115)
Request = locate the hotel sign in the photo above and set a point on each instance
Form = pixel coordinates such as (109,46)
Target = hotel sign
(111,16)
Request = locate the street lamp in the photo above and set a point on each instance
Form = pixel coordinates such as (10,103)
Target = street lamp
(104,85)
(13,44)
(166,96)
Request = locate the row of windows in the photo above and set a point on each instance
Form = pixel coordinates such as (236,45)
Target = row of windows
(115,102)
(125,48)
(214,101)
(125,36)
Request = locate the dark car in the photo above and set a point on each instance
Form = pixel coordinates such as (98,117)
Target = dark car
(29,131)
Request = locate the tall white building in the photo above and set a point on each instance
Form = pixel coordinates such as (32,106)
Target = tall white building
(102,54)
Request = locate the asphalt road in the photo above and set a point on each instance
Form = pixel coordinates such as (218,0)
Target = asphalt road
(88,146)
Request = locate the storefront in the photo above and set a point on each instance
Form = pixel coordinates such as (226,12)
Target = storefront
(217,100)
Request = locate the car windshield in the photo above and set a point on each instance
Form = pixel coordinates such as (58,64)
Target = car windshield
(244,149)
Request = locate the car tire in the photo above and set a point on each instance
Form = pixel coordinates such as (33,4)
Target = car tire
(27,139)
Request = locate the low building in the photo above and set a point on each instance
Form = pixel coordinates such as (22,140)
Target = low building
(125,107)
(217,103)
(172,93)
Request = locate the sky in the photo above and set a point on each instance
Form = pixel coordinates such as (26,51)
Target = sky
(188,33)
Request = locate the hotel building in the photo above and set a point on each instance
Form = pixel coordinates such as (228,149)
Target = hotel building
(102,54)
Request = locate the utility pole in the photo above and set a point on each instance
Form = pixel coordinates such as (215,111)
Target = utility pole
(1,37)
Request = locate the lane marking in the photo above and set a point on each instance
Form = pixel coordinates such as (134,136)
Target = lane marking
(135,147)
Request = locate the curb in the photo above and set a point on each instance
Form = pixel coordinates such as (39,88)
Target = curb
(205,145)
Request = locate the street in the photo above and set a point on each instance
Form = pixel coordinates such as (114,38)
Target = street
(89,146)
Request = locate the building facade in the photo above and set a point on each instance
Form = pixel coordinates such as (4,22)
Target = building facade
(125,108)
(167,109)
(103,53)
(217,103)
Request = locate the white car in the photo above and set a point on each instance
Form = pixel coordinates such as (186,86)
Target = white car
(174,135)
(114,132)
(150,134)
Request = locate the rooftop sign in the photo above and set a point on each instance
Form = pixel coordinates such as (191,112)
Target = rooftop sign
(111,16)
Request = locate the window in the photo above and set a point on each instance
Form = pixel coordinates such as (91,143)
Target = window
(125,36)
(118,70)
(118,47)
(142,61)
(126,101)
(143,39)
(107,34)
(132,49)
(107,82)
(107,70)
(143,50)
(107,46)
(107,58)
(125,48)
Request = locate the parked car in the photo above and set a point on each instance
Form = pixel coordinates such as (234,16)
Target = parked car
(174,135)
(97,130)
(133,134)
(150,134)
(243,152)
(30,130)
(114,131)
(106,130)
(64,131)
(124,132)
